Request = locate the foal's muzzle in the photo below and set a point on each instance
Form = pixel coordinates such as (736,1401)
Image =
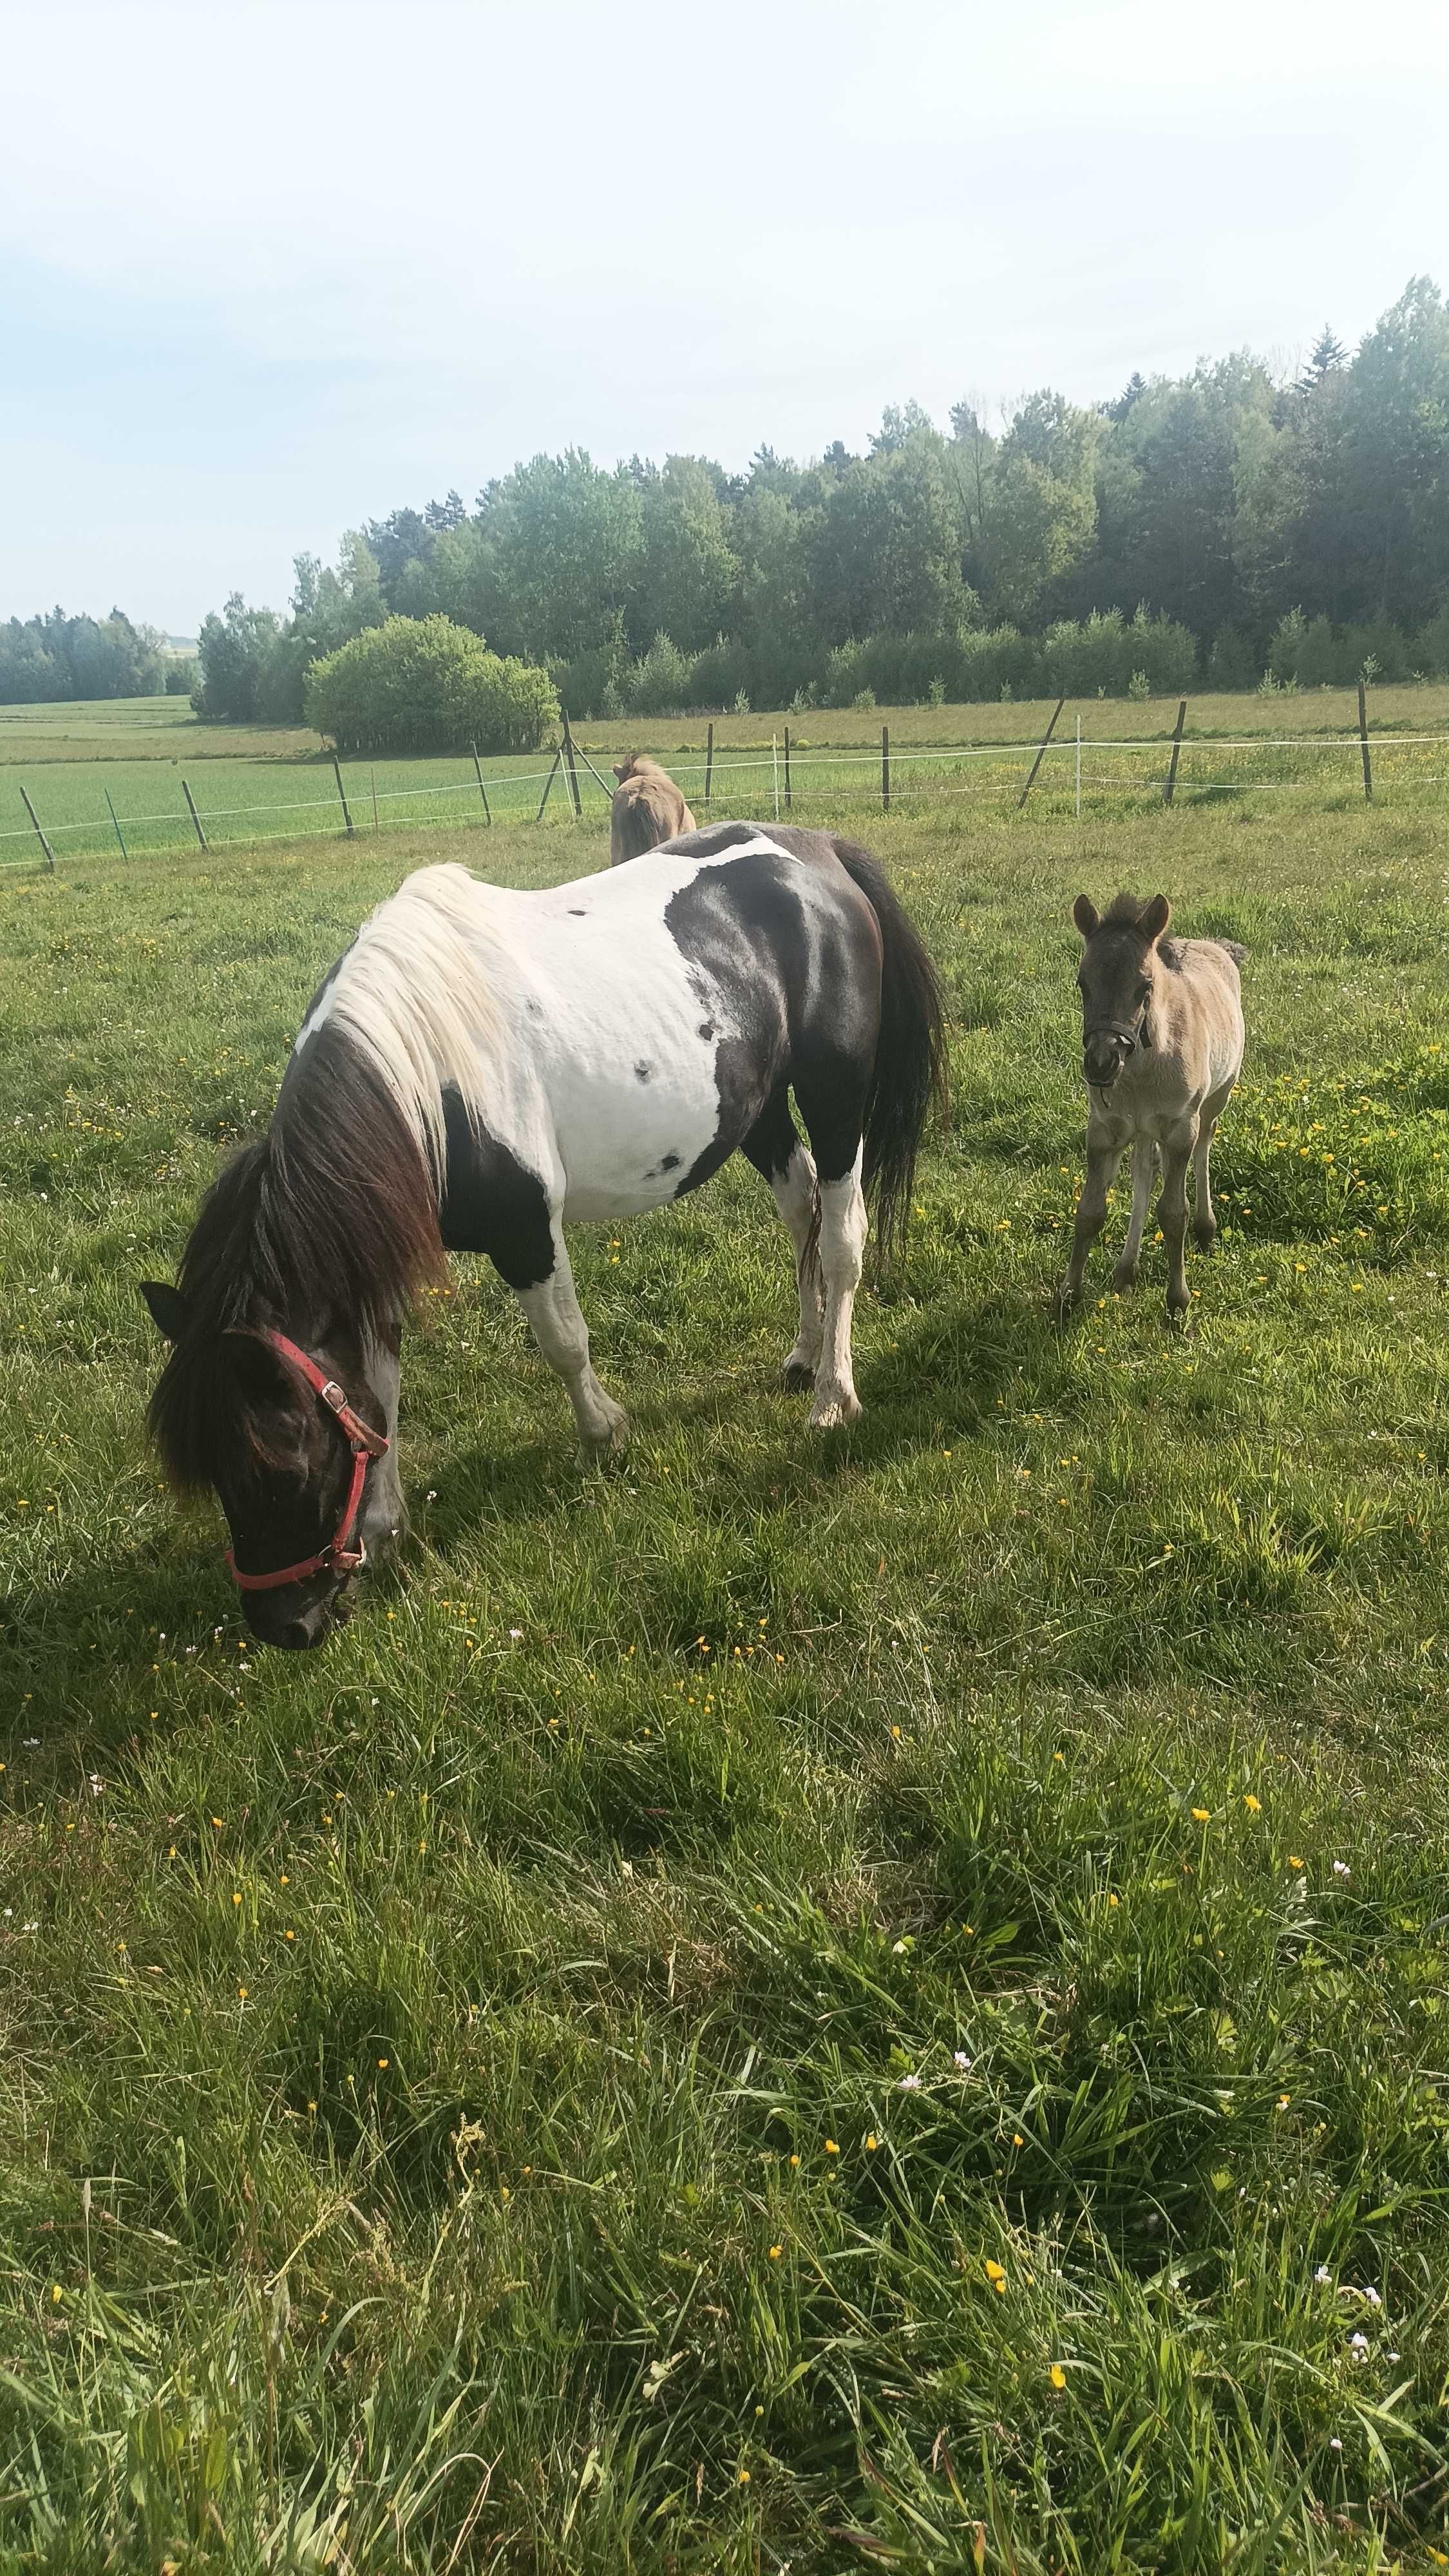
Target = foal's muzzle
(1104,1052)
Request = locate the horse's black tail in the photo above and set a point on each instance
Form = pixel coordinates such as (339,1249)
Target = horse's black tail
(910,1058)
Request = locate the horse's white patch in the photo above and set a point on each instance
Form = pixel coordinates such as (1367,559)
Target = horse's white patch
(568,1020)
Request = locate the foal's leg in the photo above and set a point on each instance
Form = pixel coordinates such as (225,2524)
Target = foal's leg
(1204,1223)
(843,1230)
(1172,1214)
(1102,1162)
(777,1150)
(1144,1165)
(562,1335)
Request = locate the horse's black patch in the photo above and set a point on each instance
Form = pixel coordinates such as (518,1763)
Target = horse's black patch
(798,973)
(642,1070)
(706,1030)
(669,1162)
(493,1203)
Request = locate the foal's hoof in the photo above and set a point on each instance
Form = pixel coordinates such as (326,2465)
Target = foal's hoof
(797,1376)
(1178,1318)
(1206,1241)
(1064,1301)
(830,1412)
(1123,1279)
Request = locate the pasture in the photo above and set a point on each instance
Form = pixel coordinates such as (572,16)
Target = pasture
(796,2005)
(277,782)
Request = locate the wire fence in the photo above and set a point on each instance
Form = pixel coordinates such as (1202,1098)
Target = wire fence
(1084,775)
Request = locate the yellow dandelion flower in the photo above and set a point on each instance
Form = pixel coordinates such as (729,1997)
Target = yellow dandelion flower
(775,2253)
(1058,2375)
(1253,1805)
(382,2063)
(1294,1861)
(871,2142)
(1202,1816)
(831,2148)
(995,2272)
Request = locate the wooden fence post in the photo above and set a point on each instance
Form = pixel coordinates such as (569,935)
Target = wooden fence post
(1040,754)
(1368,776)
(482,790)
(885,769)
(787,769)
(125,853)
(568,745)
(342,792)
(1170,781)
(548,782)
(593,772)
(196,818)
(708,762)
(35,818)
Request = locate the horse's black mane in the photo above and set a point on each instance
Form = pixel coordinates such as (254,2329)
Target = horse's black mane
(333,1212)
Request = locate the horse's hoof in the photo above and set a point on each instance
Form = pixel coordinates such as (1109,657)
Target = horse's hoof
(1123,1281)
(612,1439)
(1206,1243)
(1177,1318)
(1063,1302)
(797,1376)
(831,1412)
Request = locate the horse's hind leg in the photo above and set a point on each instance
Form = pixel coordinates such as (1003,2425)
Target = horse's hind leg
(1204,1223)
(777,1150)
(1144,1165)
(843,1230)
(562,1335)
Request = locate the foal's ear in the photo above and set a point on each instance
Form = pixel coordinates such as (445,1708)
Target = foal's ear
(1085,915)
(168,1308)
(1153,919)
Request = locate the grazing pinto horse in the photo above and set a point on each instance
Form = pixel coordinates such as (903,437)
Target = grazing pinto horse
(1162,1046)
(479,1067)
(647,808)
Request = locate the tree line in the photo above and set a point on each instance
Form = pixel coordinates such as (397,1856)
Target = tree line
(1224,527)
(61,657)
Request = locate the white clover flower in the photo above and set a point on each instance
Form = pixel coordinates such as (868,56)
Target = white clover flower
(960,2058)
(1341,1869)
(909,2084)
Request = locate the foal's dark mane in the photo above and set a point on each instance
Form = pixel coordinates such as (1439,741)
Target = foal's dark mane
(333,1213)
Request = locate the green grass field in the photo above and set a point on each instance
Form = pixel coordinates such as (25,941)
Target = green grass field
(811,2006)
(278,783)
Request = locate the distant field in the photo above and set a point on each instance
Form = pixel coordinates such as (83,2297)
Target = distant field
(256,784)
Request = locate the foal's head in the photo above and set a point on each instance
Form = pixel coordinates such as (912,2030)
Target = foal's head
(1115,979)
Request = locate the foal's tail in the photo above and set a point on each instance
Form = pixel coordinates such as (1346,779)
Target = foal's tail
(910,1057)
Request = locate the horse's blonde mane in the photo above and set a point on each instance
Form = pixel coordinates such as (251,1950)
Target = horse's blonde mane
(413,993)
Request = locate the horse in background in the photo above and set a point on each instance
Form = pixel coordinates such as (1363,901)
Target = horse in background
(648,808)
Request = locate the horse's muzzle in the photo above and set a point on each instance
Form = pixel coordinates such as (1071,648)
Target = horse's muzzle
(1103,1059)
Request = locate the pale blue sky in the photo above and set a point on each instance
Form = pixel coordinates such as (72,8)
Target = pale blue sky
(270,267)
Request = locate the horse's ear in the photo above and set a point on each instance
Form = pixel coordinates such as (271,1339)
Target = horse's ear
(1085,915)
(1153,919)
(167,1307)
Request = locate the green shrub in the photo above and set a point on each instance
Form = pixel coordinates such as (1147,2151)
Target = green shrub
(424,684)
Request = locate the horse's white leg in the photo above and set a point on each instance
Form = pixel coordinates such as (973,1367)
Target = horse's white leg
(1204,1223)
(1102,1162)
(797,1198)
(843,1230)
(1144,1164)
(1172,1215)
(563,1337)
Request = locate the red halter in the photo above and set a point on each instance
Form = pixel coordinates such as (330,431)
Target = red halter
(365,1443)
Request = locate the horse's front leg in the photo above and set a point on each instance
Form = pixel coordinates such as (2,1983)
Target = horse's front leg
(843,1230)
(1102,1162)
(1172,1216)
(562,1335)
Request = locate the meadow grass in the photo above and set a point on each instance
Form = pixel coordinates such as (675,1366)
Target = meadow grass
(811,2004)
